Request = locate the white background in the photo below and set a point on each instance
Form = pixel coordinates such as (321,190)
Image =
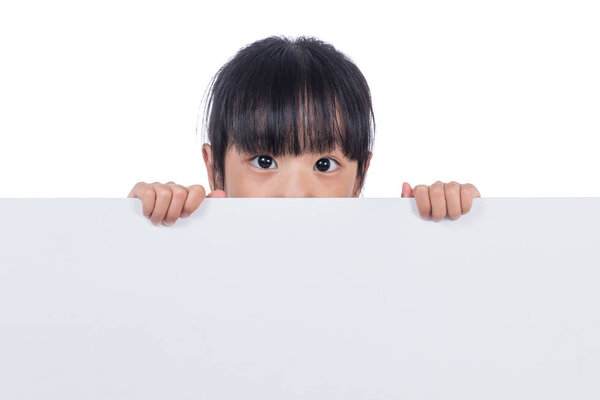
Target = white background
(95,96)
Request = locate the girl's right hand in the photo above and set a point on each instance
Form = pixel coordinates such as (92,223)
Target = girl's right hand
(167,202)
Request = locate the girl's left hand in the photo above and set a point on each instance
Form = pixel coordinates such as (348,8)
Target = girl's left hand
(439,199)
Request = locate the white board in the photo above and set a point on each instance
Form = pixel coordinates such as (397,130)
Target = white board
(298,299)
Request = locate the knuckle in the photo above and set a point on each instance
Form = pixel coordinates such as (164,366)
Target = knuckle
(419,189)
(465,191)
(179,192)
(436,190)
(163,193)
(198,188)
(134,192)
(452,189)
(149,192)
(469,186)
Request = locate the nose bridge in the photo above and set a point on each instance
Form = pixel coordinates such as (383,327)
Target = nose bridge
(296,182)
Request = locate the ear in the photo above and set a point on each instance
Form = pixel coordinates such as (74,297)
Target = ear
(356,190)
(208,161)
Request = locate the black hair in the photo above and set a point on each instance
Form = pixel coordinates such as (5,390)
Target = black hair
(281,96)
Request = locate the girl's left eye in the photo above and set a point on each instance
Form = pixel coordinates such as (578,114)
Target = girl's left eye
(324,163)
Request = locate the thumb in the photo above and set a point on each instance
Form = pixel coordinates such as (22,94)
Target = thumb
(217,194)
(406,190)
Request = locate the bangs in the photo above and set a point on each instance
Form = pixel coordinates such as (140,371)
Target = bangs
(289,122)
(289,101)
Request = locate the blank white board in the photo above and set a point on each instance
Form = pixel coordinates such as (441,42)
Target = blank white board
(300,298)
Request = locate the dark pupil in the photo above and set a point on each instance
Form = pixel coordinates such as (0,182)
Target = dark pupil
(264,161)
(323,164)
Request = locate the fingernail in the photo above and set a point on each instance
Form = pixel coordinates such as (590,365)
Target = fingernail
(184,214)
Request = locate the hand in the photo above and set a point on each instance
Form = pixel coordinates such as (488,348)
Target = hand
(160,200)
(440,198)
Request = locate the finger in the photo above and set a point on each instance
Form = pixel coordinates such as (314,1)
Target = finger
(437,198)
(196,193)
(421,195)
(453,204)
(163,200)
(217,193)
(406,190)
(146,193)
(178,199)
(467,193)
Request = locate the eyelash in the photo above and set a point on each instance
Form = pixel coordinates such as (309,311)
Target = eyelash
(328,172)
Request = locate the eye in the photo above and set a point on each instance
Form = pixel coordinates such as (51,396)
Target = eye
(264,161)
(324,163)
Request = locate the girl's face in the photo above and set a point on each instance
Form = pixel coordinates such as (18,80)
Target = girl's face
(308,175)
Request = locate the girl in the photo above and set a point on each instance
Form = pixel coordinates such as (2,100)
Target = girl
(290,118)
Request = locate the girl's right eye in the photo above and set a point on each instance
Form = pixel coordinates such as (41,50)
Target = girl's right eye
(264,162)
